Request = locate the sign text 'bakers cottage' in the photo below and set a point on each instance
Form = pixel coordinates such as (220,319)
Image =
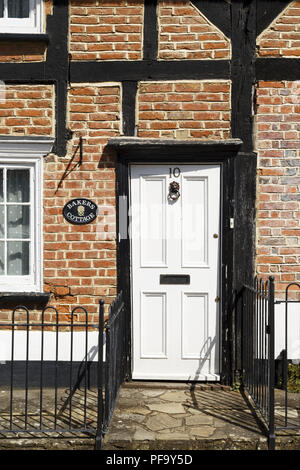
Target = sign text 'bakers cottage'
(80,211)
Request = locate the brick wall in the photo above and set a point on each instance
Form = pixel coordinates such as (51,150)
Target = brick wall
(106,30)
(185,33)
(278,199)
(282,37)
(80,261)
(22,52)
(184,109)
(27,110)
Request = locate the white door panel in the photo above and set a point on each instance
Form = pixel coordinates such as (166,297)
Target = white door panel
(175,326)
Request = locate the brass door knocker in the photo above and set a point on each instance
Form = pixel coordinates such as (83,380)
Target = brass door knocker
(174,191)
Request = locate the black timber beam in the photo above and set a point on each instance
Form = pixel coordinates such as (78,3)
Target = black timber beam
(129,90)
(20,37)
(243,14)
(31,71)
(57,64)
(218,12)
(267,11)
(277,69)
(148,70)
(150,41)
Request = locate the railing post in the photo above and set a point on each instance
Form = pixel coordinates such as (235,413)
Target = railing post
(271,378)
(100,378)
(109,362)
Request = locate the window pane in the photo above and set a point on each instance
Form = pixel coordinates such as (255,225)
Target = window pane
(1,8)
(1,184)
(2,231)
(18,258)
(1,258)
(18,8)
(18,221)
(18,185)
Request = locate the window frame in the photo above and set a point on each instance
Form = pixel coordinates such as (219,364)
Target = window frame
(26,280)
(28,153)
(31,25)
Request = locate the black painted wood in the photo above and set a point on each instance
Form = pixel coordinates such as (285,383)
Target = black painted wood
(243,81)
(24,72)
(154,151)
(123,250)
(150,41)
(226,334)
(243,70)
(141,148)
(129,90)
(244,236)
(57,67)
(277,69)
(30,299)
(18,37)
(149,70)
(267,11)
(217,12)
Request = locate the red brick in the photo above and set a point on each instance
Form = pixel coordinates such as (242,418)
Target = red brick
(282,38)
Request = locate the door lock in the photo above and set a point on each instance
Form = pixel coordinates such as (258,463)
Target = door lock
(217,299)
(216,235)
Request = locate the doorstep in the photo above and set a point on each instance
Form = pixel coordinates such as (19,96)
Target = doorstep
(186,416)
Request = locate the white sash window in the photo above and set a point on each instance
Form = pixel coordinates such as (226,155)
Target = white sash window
(21,16)
(21,213)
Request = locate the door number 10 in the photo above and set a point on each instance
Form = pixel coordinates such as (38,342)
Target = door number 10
(174,172)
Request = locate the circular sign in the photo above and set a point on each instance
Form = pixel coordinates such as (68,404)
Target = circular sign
(80,211)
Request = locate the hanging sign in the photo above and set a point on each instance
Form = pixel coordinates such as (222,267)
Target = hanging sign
(80,211)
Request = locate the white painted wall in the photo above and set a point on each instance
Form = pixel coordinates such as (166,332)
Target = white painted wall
(293,330)
(64,339)
(64,346)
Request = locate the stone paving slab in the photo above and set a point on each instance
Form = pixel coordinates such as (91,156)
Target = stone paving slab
(153,416)
(180,416)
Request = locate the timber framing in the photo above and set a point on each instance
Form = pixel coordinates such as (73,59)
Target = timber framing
(241,21)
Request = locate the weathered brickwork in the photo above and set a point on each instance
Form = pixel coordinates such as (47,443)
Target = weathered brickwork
(22,52)
(278,199)
(282,38)
(80,261)
(27,110)
(185,33)
(28,51)
(184,109)
(106,30)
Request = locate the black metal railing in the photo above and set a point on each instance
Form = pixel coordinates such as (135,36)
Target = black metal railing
(288,374)
(115,356)
(48,393)
(258,349)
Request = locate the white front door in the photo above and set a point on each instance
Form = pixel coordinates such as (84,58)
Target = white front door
(175,252)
